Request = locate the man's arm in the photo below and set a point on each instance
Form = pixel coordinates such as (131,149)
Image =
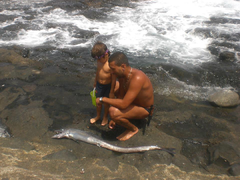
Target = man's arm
(133,90)
(113,83)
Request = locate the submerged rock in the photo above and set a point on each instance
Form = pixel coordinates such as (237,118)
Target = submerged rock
(224,98)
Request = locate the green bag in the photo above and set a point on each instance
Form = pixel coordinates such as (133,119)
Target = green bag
(93,95)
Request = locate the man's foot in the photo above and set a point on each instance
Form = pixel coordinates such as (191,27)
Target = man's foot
(104,122)
(93,120)
(126,135)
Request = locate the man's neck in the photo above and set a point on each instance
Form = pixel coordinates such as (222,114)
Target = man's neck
(128,72)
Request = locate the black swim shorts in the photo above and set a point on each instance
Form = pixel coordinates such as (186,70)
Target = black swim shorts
(103,90)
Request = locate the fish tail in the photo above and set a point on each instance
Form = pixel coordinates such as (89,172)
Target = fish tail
(169,150)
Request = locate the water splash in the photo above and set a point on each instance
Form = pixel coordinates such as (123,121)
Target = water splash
(160,31)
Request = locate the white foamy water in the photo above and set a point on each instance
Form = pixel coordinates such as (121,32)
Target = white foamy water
(149,32)
(163,29)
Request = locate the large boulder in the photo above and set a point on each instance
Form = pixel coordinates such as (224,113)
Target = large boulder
(224,98)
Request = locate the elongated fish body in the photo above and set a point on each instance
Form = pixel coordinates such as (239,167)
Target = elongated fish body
(84,136)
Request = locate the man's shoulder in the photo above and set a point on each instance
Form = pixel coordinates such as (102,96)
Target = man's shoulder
(140,74)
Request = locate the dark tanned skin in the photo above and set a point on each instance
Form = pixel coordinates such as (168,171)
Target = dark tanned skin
(135,92)
(103,76)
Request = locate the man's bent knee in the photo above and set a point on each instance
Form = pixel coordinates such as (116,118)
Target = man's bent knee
(113,112)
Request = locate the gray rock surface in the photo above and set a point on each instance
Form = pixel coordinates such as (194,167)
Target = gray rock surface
(224,98)
(34,102)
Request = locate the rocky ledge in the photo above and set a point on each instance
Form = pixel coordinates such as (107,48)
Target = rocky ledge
(38,97)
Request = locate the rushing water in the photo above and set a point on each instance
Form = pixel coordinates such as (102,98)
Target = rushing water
(181,35)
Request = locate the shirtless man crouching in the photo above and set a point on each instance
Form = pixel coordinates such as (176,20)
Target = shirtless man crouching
(135,96)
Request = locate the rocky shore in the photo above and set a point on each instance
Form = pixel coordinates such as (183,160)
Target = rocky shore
(38,97)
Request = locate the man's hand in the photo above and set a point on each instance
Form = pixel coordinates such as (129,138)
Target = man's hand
(98,102)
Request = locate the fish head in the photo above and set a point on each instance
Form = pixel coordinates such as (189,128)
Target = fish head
(61,133)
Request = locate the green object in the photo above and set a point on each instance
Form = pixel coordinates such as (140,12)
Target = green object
(93,95)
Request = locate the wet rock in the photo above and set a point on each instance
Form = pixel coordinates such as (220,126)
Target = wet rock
(25,53)
(17,143)
(214,50)
(4,17)
(183,74)
(13,72)
(65,155)
(205,32)
(224,154)
(14,58)
(29,87)
(224,98)
(225,45)
(223,20)
(29,122)
(227,56)
(14,66)
(234,170)
(8,96)
(238,57)
(23,100)
(200,126)
(80,33)
(110,163)
(154,157)
(51,69)
(195,151)
(68,5)
(230,37)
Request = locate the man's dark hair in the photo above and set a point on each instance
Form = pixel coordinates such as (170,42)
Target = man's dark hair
(119,58)
(99,49)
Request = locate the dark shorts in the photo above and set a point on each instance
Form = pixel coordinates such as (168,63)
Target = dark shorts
(150,110)
(103,90)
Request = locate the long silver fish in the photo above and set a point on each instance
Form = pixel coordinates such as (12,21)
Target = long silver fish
(84,136)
